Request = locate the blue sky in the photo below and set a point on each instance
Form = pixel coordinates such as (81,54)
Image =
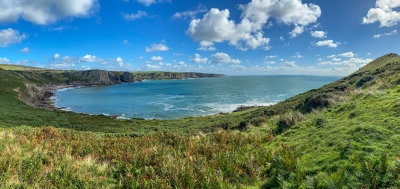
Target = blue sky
(248,37)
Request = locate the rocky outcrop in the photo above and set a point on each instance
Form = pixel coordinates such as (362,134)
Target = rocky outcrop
(174,75)
(36,96)
(99,77)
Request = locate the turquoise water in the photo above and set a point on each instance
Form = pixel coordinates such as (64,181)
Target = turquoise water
(183,98)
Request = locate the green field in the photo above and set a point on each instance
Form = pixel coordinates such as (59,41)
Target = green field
(343,135)
(17,67)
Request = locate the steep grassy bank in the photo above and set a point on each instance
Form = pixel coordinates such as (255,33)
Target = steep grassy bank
(343,135)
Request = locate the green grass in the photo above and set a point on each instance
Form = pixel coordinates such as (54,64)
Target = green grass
(17,67)
(343,135)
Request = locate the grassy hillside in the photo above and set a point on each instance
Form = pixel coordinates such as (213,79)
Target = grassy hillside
(17,67)
(343,135)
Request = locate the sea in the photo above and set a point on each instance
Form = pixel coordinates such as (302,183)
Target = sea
(176,99)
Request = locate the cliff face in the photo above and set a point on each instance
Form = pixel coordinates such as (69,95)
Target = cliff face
(174,75)
(99,77)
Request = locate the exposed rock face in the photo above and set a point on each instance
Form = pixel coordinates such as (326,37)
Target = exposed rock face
(174,75)
(38,96)
(99,77)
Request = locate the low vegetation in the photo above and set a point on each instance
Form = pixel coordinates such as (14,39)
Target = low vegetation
(343,135)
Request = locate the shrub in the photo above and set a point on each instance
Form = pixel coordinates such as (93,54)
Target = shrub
(259,120)
(319,122)
(363,80)
(315,102)
(287,121)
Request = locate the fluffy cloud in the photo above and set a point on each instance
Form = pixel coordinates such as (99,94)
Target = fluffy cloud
(133,16)
(318,34)
(329,43)
(393,32)
(157,58)
(90,59)
(10,36)
(119,60)
(88,62)
(216,26)
(157,47)
(206,46)
(43,11)
(297,31)
(384,13)
(199,59)
(258,40)
(182,64)
(291,64)
(290,12)
(25,50)
(56,56)
(224,58)
(347,54)
(351,61)
(4,61)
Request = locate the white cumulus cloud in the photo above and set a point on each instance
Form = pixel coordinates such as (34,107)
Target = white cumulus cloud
(10,36)
(4,61)
(216,26)
(384,13)
(329,43)
(157,47)
(89,58)
(224,58)
(206,46)
(156,58)
(318,34)
(43,11)
(199,59)
(56,56)
(347,54)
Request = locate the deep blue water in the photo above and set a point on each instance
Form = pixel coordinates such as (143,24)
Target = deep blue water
(183,98)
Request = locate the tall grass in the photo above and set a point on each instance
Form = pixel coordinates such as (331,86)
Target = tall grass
(50,158)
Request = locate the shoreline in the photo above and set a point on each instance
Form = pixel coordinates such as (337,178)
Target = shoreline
(40,96)
(49,104)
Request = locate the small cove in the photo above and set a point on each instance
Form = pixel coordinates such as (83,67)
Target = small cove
(175,99)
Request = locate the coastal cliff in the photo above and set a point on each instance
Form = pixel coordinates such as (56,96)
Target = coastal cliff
(174,75)
(99,77)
